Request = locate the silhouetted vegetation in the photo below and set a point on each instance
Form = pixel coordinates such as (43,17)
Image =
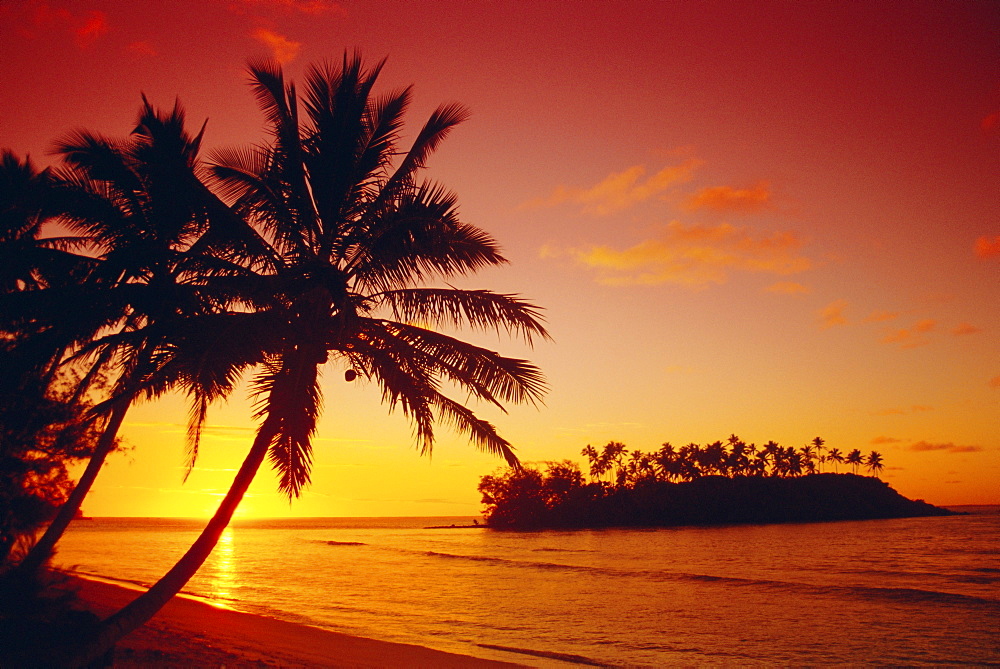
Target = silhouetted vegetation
(326,244)
(720,483)
(43,430)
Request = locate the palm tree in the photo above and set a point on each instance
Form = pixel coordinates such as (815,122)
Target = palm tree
(855,459)
(836,457)
(817,443)
(356,240)
(154,229)
(874,463)
(611,461)
(808,457)
(770,453)
(594,459)
(666,462)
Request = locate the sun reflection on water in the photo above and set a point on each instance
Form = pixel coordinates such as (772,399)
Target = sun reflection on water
(223,567)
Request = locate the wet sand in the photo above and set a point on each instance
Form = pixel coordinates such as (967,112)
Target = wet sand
(191,633)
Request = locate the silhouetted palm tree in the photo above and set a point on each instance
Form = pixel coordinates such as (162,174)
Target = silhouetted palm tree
(770,454)
(593,460)
(355,241)
(28,261)
(874,463)
(667,465)
(836,457)
(855,459)
(150,226)
(808,458)
(817,443)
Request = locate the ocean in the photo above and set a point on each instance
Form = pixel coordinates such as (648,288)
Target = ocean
(898,592)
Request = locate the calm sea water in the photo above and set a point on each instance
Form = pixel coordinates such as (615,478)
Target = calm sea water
(902,592)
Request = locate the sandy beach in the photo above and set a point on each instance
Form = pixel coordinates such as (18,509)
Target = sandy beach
(191,633)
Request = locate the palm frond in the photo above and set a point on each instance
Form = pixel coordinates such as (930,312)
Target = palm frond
(288,395)
(423,236)
(485,374)
(481,309)
(482,433)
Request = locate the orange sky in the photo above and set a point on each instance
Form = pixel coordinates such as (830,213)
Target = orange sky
(776,219)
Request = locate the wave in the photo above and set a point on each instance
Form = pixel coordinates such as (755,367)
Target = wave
(550,655)
(546,549)
(895,594)
(345,543)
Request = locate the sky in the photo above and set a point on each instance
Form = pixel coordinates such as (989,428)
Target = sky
(774,219)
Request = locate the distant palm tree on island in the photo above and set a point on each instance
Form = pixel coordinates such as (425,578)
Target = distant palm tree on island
(341,247)
(855,459)
(836,457)
(874,463)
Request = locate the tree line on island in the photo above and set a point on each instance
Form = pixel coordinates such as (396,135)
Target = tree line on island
(731,458)
(718,483)
(136,268)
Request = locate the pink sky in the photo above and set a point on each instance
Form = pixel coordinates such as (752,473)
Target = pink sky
(774,219)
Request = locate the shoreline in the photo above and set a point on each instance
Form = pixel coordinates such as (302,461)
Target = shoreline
(190,632)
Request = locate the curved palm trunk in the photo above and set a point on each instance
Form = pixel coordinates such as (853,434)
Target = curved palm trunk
(45,547)
(144,607)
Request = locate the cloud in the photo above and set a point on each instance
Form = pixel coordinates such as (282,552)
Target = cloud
(734,200)
(88,32)
(965,329)
(85,29)
(947,447)
(695,255)
(910,337)
(877,441)
(788,288)
(283,49)
(988,248)
(832,314)
(620,190)
(882,316)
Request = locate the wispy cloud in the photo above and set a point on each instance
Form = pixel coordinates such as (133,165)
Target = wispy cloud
(620,190)
(965,329)
(911,337)
(948,447)
(788,288)
(731,200)
(832,315)
(283,49)
(987,247)
(882,441)
(94,25)
(85,28)
(882,316)
(695,255)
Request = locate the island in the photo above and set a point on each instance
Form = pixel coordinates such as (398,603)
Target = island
(698,486)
